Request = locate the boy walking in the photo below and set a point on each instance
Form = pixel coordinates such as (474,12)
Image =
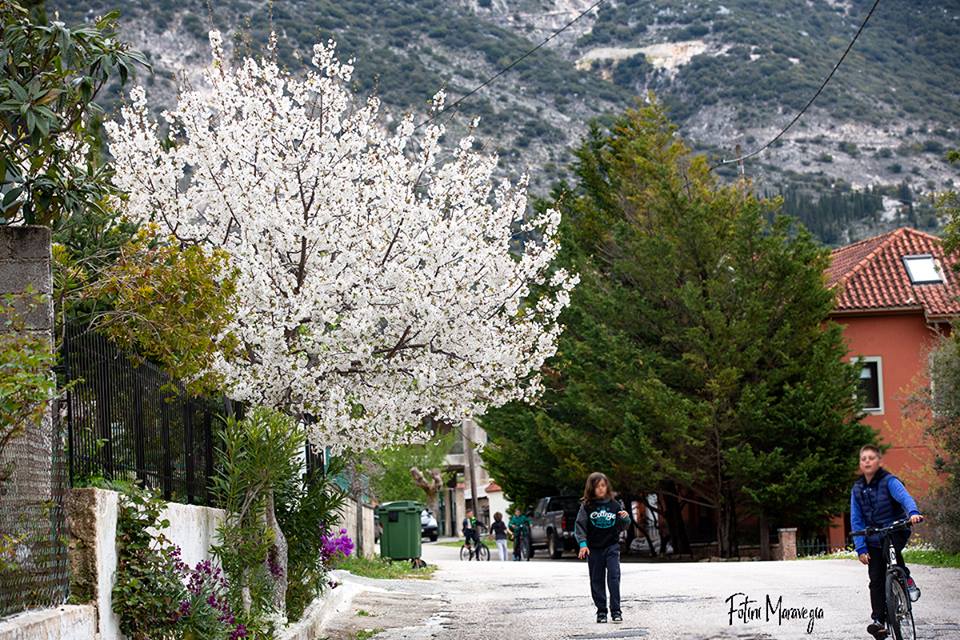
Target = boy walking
(878,499)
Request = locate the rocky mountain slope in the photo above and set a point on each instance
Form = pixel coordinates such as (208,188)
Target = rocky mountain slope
(732,72)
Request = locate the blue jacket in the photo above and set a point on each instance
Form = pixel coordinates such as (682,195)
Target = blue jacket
(881,502)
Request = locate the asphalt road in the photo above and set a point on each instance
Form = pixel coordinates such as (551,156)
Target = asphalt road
(550,599)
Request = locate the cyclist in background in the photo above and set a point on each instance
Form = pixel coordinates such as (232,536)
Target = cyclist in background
(519,531)
(471,533)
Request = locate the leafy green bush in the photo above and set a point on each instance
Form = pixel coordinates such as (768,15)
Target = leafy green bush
(307,507)
(157,596)
(258,455)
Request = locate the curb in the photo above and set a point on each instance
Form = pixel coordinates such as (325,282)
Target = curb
(324,608)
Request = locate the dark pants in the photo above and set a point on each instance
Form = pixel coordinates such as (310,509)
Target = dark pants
(604,567)
(472,537)
(518,542)
(877,568)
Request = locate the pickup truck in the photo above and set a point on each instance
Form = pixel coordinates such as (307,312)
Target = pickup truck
(551,526)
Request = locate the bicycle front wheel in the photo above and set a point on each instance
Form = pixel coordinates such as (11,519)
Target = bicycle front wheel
(483,553)
(465,553)
(899,610)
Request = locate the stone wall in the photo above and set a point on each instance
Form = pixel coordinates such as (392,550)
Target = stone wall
(25,265)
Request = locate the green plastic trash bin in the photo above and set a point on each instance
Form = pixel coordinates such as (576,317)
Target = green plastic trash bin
(400,538)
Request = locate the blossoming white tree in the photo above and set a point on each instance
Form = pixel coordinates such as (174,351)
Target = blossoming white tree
(376,278)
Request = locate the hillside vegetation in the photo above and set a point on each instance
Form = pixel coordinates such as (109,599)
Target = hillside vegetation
(731,72)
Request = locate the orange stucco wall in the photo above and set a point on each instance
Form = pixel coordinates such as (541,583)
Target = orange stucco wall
(903,342)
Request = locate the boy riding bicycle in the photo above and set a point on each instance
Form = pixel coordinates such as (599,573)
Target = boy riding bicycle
(878,499)
(471,532)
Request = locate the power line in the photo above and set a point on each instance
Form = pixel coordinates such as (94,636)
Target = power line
(741,158)
(507,68)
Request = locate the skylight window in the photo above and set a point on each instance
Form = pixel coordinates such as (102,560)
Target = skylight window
(923,269)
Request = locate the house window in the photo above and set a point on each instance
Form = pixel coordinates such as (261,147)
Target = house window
(923,269)
(871,384)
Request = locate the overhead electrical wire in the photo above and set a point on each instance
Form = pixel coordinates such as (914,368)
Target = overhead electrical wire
(810,102)
(507,68)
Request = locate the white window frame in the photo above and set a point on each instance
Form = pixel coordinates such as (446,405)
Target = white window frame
(876,411)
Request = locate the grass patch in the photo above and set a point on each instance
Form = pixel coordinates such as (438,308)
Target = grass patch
(931,558)
(382,569)
(922,554)
(366,634)
(456,544)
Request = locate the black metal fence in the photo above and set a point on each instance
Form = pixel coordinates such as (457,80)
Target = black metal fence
(129,421)
(812,547)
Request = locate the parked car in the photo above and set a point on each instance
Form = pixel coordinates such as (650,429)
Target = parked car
(428,526)
(552,523)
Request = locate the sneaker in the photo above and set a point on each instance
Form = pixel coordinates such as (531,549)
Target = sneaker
(616,618)
(913,590)
(877,629)
(601,618)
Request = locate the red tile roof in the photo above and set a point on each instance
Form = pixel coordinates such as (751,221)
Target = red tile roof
(493,487)
(870,276)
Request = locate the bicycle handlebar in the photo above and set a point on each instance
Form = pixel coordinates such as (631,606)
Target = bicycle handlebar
(871,531)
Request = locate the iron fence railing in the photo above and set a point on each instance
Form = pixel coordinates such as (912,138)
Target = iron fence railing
(129,421)
(812,547)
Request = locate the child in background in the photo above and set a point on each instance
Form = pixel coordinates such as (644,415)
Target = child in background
(471,534)
(499,529)
(598,527)
(519,531)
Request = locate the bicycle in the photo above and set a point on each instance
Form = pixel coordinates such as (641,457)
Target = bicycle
(523,544)
(481,552)
(899,606)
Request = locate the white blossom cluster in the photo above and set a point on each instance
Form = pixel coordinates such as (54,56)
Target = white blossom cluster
(376,279)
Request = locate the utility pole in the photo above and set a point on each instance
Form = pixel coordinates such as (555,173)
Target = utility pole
(471,467)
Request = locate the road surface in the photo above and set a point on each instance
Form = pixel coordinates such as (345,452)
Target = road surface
(550,599)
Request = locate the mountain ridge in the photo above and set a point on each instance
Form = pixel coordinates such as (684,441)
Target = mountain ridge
(732,72)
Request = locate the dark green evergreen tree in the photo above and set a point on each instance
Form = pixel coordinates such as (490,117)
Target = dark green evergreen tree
(698,357)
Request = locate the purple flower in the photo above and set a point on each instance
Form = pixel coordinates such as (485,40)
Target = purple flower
(333,545)
(239,632)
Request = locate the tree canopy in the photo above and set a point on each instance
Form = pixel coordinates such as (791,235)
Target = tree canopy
(697,356)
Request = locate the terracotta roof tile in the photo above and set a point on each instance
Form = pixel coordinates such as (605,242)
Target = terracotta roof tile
(870,275)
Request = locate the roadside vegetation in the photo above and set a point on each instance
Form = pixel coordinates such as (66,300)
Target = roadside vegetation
(382,569)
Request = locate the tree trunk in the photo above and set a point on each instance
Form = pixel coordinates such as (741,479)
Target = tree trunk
(764,538)
(358,498)
(431,483)
(468,450)
(279,557)
(727,525)
(673,511)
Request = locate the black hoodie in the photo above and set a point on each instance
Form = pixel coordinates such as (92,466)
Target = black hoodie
(598,525)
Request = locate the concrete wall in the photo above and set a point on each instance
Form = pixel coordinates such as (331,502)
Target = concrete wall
(69,622)
(92,522)
(365,543)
